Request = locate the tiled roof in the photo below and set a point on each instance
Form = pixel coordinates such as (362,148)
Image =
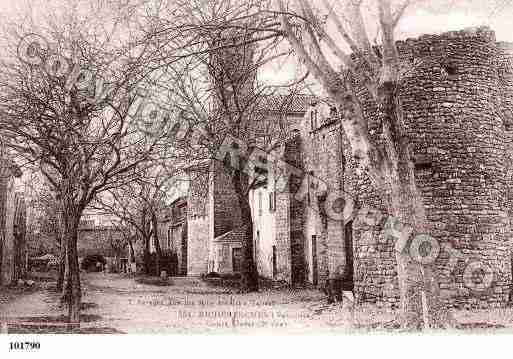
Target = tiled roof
(293,103)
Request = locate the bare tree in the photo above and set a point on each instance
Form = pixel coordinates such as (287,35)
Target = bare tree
(136,205)
(47,217)
(69,107)
(388,161)
(210,55)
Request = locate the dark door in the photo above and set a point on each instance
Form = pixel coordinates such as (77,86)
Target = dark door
(237,259)
(297,254)
(349,272)
(315,264)
(183,265)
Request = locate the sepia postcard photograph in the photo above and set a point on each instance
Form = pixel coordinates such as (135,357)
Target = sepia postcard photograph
(335,176)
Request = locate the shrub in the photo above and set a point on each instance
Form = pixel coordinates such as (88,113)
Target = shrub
(90,261)
(168,262)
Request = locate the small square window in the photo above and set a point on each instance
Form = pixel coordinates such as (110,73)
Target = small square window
(272,201)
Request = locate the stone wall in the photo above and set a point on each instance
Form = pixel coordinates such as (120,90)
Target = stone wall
(172,229)
(8,204)
(94,240)
(199,221)
(456,108)
(325,160)
(223,247)
(226,204)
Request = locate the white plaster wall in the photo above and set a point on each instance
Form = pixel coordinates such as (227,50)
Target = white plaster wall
(265,224)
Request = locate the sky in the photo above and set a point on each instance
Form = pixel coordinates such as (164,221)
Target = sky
(427,17)
(424,17)
(432,17)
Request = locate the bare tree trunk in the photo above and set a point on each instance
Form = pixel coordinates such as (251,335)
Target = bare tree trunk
(74,300)
(131,255)
(146,255)
(158,252)
(420,293)
(249,269)
(131,252)
(62,264)
(72,293)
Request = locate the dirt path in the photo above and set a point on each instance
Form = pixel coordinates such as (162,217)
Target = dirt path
(117,304)
(191,306)
(114,303)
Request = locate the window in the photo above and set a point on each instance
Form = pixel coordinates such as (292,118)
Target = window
(257,243)
(450,69)
(259,203)
(275,264)
(313,120)
(236,259)
(272,201)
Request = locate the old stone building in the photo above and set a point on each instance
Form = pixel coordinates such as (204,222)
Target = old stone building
(458,107)
(172,232)
(214,227)
(458,104)
(295,240)
(104,240)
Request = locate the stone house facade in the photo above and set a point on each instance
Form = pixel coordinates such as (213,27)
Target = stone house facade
(458,107)
(102,239)
(214,227)
(172,232)
(295,240)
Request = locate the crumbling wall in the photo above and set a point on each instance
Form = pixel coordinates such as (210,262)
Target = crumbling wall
(454,107)
(323,146)
(199,221)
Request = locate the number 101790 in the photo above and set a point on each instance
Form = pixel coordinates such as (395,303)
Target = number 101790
(24,345)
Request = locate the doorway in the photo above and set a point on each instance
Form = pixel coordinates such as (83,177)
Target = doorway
(349,272)
(275,264)
(237,260)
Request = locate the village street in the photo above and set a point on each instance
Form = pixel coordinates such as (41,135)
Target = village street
(114,303)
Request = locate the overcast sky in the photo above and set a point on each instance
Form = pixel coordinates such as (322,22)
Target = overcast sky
(433,17)
(428,17)
(425,17)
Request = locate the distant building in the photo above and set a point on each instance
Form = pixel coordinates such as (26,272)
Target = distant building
(104,240)
(172,233)
(215,228)
(459,115)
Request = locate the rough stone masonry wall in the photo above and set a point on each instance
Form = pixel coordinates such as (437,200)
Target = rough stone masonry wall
(505,69)
(198,222)
(294,157)
(453,106)
(97,240)
(325,161)
(282,221)
(227,214)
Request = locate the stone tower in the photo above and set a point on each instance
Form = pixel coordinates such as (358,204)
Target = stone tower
(457,106)
(233,75)
(214,223)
